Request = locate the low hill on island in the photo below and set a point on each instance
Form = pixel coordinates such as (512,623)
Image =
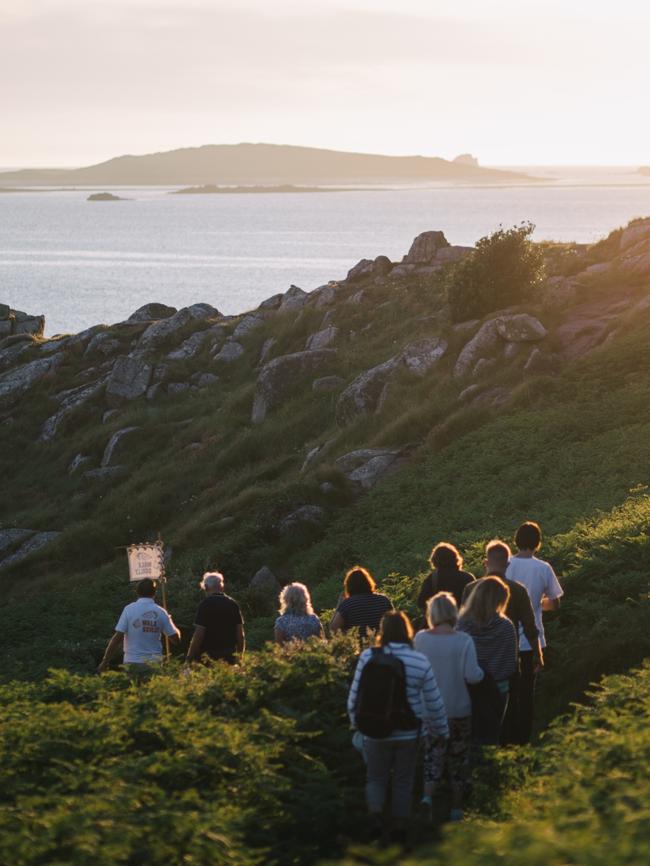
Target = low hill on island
(449,395)
(261,164)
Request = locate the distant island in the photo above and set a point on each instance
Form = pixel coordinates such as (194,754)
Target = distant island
(105,196)
(265,165)
(211,189)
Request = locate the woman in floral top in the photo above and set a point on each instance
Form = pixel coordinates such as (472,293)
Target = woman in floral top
(297,620)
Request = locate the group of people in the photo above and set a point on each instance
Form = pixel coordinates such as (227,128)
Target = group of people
(466,679)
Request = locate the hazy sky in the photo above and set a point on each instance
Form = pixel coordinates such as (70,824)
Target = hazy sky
(512,81)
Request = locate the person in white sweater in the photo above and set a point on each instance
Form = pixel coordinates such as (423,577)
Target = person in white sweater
(452,656)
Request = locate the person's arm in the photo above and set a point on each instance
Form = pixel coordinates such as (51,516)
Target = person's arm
(473,672)
(337,623)
(114,645)
(354,688)
(240,639)
(526,616)
(278,635)
(434,706)
(196,643)
(510,635)
(550,604)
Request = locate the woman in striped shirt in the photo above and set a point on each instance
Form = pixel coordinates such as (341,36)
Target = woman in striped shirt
(362,606)
(398,751)
(483,618)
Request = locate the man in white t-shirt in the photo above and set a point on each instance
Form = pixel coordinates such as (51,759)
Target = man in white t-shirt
(139,631)
(545,592)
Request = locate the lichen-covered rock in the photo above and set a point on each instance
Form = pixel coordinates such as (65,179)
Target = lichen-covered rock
(520,328)
(363,268)
(322,339)
(294,299)
(17,381)
(34,325)
(558,292)
(636,266)
(77,463)
(105,473)
(425,247)
(159,332)
(482,344)
(367,465)
(204,380)
(272,303)
(310,515)
(283,376)
(129,380)
(420,356)
(102,344)
(37,541)
(69,402)
(325,295)
(363,396)
(247,325)
(229,353)
(12,537)
(5,311)
(483,366)
(115,445)
(151,312)
(177,388)
(265,352)
(191,347)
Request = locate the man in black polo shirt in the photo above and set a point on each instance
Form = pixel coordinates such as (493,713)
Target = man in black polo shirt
(218,626)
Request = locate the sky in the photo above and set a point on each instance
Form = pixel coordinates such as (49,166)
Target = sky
(515,82)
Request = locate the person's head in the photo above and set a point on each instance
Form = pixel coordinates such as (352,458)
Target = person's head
(146,588)
(442,608)
(212,582)
(497,557)
(489,598)
(395,627)
(358,581)
(528,536)
(445,555)
(295,599)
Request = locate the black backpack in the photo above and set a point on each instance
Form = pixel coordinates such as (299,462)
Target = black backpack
(382,705)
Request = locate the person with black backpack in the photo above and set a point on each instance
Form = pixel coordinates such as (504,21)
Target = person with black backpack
(393,692)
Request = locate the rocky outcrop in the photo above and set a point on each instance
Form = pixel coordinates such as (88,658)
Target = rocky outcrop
(419,357)
(307,516)
(30,543)
(18,322)
(363,396)
(151,312)
(159,332)
(103,344)
(247,325)
(129,380)
(191,347)
(326,384)
(115,445)
(229,353)
(17,381)
(365,268)
(520,328)
(366,466)
(282,377)
(636,231)
(425,248)
(69,402)
(509,328)
(322,339)
(294,299)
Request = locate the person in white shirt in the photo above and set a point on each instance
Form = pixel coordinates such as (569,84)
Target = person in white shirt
(545,592)
(139,631)
(452,656)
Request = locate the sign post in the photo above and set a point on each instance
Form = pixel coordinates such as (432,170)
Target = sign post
(148,560)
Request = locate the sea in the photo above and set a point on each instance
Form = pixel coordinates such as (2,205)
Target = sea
(81,263)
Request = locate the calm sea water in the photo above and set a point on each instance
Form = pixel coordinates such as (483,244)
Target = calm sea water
(81,262)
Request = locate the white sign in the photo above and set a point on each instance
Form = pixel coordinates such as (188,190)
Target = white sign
(145,560)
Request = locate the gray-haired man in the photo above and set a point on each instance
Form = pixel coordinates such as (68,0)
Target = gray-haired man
(218,625)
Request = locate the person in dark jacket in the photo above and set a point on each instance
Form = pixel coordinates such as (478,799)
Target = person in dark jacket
(482,616)
(447,575)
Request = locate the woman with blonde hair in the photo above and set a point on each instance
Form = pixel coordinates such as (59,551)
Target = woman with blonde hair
(483,618)
(297,620)
(452,656)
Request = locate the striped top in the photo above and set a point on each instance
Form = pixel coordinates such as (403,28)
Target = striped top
(422,690)
(364,610)
(496,645)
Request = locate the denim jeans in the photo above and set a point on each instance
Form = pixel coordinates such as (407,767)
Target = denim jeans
(382,758)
